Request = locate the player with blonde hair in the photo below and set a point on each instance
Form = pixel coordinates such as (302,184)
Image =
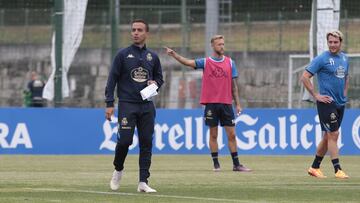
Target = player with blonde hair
(219,88)
(332,70)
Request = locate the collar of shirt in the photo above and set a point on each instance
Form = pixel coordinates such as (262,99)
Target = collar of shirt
(138,48)
(339,54)
(217,59)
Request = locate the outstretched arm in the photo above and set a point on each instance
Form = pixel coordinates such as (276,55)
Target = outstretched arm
(181,59)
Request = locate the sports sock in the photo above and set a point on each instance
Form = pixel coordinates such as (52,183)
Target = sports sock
(336,164)
(317,161)
(235,158)
(214,156)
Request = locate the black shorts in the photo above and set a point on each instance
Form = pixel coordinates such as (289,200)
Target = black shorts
(330,116)
(219,112)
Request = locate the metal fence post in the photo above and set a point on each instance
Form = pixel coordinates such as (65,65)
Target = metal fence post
(59,13)
(114,16)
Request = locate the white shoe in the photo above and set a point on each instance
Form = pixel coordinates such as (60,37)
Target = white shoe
(115,180)
(143,187)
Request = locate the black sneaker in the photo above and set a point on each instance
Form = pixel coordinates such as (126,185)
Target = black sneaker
(217,168)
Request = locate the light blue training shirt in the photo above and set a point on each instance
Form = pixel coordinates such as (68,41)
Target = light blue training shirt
(332,71)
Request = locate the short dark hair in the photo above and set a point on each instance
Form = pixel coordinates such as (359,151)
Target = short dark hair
(147,28)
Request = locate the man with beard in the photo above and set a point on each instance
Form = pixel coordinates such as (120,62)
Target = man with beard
(219,88)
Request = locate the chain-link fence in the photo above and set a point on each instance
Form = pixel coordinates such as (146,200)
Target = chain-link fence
(259,35)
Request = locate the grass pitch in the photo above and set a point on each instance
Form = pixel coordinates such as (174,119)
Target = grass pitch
(177,178)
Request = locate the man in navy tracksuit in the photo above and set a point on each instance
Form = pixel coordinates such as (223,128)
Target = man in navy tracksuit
(133,69)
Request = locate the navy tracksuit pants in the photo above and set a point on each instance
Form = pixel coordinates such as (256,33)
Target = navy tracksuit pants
(141,116)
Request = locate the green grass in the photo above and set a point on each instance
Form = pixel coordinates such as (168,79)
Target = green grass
(186,178)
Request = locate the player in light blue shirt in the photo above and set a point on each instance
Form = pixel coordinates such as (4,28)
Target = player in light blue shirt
(331,68)
(332,71)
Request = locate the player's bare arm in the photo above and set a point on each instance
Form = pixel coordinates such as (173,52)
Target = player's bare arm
(181,59)
(305,79)
(235,94)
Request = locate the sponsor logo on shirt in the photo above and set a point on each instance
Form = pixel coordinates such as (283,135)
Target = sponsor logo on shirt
(340,72)
(140,74)
(331,61)
(149,57)
(130,56)
(218,73)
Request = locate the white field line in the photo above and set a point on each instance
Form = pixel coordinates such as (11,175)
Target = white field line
(135,194)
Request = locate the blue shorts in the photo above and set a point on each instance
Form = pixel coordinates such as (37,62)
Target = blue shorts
(330,116)
(215,113)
